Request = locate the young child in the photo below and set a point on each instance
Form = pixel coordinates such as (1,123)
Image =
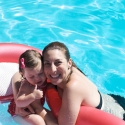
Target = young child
(29,85)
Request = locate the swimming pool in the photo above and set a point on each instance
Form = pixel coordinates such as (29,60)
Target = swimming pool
(93,30)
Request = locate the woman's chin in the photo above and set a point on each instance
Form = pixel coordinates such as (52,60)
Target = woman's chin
(56,82)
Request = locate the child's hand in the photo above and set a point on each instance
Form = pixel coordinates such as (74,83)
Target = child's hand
(22,111)
(37,93)
(29,109)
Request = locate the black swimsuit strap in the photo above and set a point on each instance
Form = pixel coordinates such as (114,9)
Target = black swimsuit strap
(100,104)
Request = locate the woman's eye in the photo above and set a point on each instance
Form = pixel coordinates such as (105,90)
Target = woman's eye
(46,64)
(57,63)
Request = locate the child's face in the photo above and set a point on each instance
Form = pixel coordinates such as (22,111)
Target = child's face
(35,75)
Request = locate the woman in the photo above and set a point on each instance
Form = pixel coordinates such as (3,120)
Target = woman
(73,86)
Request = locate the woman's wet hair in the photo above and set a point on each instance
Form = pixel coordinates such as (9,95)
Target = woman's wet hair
(63,48)
(29,59)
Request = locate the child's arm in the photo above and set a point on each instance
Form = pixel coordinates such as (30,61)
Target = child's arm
(25,97)
(16,82)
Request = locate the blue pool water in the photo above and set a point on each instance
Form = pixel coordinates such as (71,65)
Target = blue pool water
(93,30)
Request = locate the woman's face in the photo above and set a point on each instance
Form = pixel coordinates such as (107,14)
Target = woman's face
(56,67)
(35,75)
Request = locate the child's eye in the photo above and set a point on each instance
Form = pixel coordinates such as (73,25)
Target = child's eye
(41,73)
(31,77)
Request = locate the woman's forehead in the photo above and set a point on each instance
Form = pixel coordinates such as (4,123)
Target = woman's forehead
(55,53)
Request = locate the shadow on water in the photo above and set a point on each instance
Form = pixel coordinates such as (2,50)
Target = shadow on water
(120,100)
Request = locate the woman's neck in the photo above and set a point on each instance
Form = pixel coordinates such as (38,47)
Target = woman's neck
(65,81)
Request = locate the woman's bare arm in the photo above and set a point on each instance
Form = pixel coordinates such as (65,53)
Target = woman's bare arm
(16,82)
(71,102)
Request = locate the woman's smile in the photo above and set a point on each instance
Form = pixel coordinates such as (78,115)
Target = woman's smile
(55,66)
(55,76)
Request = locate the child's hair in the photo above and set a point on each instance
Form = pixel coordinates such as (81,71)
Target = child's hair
(29,59)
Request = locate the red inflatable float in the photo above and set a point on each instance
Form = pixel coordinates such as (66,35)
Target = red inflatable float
(10,52)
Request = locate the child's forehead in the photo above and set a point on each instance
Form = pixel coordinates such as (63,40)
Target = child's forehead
(38,68)
(33,72)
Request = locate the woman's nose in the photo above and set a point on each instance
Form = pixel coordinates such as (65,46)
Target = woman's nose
(53,67)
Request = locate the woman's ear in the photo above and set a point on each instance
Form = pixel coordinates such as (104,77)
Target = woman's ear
(70,63)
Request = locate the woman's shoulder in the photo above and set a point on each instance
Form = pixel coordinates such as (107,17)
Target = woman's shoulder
(17,75)
(77,72)
(78,81)
(76,76)
(16,78)
(73,83)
